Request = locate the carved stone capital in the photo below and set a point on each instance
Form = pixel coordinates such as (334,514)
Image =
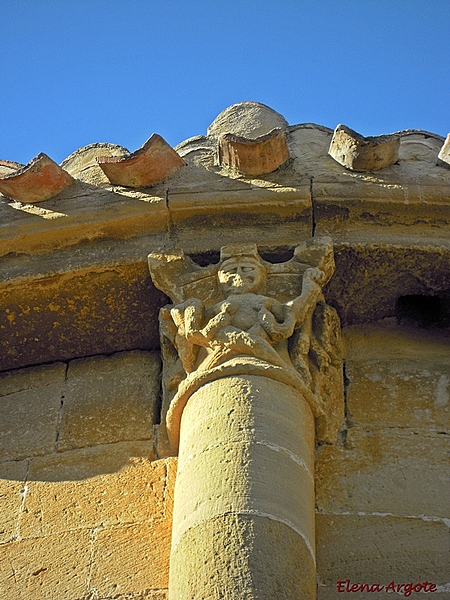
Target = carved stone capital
(246,315)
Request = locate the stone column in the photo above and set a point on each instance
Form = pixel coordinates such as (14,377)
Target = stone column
(242,419)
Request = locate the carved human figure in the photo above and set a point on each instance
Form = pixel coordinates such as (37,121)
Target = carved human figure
(233,317)
(246,321)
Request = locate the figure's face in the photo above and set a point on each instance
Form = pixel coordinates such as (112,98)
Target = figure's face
(240,276)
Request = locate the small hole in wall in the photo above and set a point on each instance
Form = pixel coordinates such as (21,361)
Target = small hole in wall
(424,311)
(205,259)
(276,255)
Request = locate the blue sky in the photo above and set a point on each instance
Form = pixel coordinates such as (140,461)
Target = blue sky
(78,72)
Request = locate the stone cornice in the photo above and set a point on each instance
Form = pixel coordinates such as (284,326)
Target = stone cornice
(96,235)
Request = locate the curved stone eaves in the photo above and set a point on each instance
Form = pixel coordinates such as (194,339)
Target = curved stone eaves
(41,179)
(155,162)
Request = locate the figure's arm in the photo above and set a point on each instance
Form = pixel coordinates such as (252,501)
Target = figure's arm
(276,321)
(280,320)
(222,318)
(203,336)
(303,305)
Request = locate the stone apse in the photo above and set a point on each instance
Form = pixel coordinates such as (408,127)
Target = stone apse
(224,367)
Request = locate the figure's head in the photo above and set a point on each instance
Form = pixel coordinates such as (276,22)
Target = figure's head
(241,270)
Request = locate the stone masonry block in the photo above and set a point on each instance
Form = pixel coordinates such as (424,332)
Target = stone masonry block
(97,487)
(48,568)
(30,404)
(12,478)
(399,393)
(130,559)
(110,399)
(388,471)
(379,550)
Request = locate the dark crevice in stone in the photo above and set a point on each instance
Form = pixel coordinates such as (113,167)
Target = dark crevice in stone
(272,255)
(428,311)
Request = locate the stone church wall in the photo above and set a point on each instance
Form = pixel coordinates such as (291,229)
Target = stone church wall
(382,493)
(86,512)
(85,502)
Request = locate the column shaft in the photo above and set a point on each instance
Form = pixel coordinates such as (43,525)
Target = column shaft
(243,525)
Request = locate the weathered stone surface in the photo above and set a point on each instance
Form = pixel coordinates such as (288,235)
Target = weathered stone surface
(403,393)
(233,557)
(247,119)
(96,487)
(284,213)
(389,212)
(369,278)
(30,405)
(147,595)
(110,399)
(151,164)
(379,549)
(47,568)
(130,559)
(258,156)
(249,468)
(23,380)
(390,341)
(81,313)
(39,180)
(8,167)
(398,376)
(359,153)
(81,214)
(393,471)
(12,478)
